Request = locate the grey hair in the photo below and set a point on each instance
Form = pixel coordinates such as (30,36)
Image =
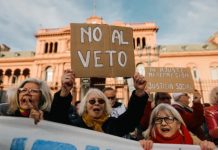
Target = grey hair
(98,93)
(160,107)
(45,99)
(214,96)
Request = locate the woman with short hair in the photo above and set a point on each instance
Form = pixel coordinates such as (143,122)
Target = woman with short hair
(167,126)
(31,98)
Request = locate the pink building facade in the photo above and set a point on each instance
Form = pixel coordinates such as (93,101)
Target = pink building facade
(52,56)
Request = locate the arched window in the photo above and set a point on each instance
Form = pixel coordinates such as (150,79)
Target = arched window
(46,48)
(143,42)
(8,73)
(195,73)
(49,74)
(55,47)
(51,47)
(214,72)
(26,73)
(68,44)
(15,76)
(134,43)
(138,43)
(140,68)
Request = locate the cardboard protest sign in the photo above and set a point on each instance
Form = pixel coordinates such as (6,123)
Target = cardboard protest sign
(164,79)
(100,50)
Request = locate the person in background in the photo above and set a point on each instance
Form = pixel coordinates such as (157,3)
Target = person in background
(117,107)
(95,109)
(32,98)
(192,116)
(162,97)
(167,126)
(211,115)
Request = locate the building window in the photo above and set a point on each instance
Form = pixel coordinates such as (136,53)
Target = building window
(46,48)
(134,43)
(49,74)
(51,47)
(214,72)
(195,73)
(138,43)
(26,73)
(143,42)
(15,76)
(55,47)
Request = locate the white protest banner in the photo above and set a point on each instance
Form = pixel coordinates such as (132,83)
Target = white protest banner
(22,134)
(100,50)
(169,79)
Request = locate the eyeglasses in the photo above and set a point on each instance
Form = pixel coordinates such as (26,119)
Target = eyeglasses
(99,100)
(31,91)
(112,98)
(168,120)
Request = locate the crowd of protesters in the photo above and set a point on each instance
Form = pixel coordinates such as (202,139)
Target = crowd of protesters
(161,120)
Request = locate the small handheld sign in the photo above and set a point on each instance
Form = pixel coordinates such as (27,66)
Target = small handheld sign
(169,79)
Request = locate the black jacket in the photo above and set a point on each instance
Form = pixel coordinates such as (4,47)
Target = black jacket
(120,126)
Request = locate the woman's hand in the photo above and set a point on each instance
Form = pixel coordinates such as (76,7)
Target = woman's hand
(67,81)
(139,84)
(37,115)
(146,144)
(207,145)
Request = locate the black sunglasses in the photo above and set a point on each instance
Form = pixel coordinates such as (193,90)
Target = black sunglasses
(99,100)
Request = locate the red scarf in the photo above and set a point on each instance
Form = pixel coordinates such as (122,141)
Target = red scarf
(177,138)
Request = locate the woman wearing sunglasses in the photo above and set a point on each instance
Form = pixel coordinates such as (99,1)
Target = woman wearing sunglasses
(32,98)
(95,109)
(167,126)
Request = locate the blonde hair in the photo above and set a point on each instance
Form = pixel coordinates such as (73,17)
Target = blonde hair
(45,99)
(162,107)
(214,96)
(97,93)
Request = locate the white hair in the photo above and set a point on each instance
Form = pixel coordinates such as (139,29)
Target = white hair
(45,99)
(98,93)
(160,107)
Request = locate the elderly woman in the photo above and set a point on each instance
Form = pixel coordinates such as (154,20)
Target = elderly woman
(167,126)
(211,115)
(32,98)
(192,116)
(95,108)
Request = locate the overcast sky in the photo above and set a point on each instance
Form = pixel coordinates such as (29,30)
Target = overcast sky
(179,21)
